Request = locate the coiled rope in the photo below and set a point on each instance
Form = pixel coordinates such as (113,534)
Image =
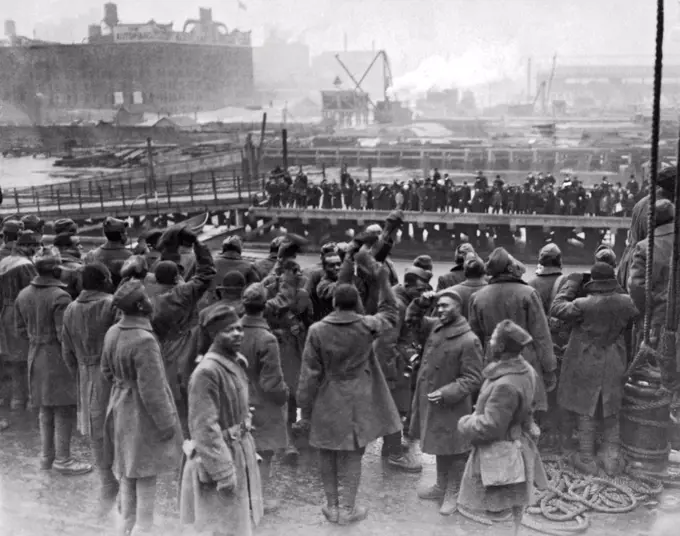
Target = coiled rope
(571,496)
(643,354)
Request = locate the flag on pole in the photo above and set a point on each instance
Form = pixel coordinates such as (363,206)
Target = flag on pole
(242,6)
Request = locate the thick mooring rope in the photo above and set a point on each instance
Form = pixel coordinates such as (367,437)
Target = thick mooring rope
(643,353)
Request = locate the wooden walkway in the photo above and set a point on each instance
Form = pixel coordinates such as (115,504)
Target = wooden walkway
(97,198)
(443,218)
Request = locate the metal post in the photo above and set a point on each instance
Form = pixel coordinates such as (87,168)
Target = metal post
(284,140)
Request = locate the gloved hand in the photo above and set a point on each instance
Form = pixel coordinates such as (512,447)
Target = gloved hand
(187,237)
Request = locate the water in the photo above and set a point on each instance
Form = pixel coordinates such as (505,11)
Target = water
(28,171)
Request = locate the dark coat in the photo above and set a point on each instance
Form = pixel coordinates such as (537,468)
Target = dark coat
(16,273)
(39,312)
(595,360)
(112,255)
(289,324)
(512,299)
(452,363)
(454,277)
(661,272)
(141,410)
(314,277)
(86,321)
(544,283)
(265,266)
(72,275)
(229,261)
(342,389)
(175,318)
(268,390)
(218,403)
(466,290)
(503,413)
(393,349)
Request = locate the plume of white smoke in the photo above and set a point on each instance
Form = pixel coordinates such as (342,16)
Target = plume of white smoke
(483,62)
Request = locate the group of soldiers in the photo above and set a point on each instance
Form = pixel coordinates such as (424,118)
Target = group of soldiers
(164,354)
(540,194)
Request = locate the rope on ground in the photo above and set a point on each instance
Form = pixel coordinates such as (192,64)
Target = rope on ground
(564,506)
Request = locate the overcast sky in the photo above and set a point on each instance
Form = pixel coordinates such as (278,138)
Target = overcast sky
(496,34)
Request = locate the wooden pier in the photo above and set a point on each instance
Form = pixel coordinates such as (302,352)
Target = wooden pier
(497,159)
(447,219)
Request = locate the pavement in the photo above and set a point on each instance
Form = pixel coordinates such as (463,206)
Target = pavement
(35,502)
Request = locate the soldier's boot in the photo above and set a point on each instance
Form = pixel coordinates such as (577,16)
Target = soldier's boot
(455,475)
(328,464)
(437,491)
(270,505)
(584,459)
(402,455)
(107,493)
(46,419)
(64,463)
(610,454)
(349,471)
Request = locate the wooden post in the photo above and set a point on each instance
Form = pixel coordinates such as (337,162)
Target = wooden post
(214,184)
(191,187)
(370,173)
(70,189)
(37,202)
(80,199)
(149,158)
(51,193)
(101,197)
(122,193)
(238,184)
(284,140)
(168,186)
(89,186)
(16,199)
(323,169)
(58,200)
(110,189)
(130,186)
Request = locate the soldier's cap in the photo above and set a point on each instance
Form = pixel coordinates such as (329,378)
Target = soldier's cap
(65,240)
(450,293)
(232,243)
(328,248)
(667,177)
(15,217)
(513,337)
(473,261)
(47,257)
(152,236)
(424,262)
(602,271)
(29,238)
(462,250)
(423,275)
(233,280)
(220,313)
(605,253)
(373,229)
(33,223)
(665,212)
(134,266)
(114,225)
(500,262)
(550,254)
(65,225)
(128,295)
(12,226)
(255,295)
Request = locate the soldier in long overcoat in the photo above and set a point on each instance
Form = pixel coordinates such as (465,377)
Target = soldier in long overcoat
(475,280)
(220,487)
(265,266)
(314,276)
(595,362)
(456,275)
(343,394)
(86,321)
(16,273)
(449,374)
(507,296)
(290,327)
(503,413)
(175,313)
(113,253)
(393,349)
(71,263)
(268,390)
(142,431)
(39,312)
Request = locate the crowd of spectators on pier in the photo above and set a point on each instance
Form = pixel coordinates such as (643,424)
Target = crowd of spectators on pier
(539,194)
